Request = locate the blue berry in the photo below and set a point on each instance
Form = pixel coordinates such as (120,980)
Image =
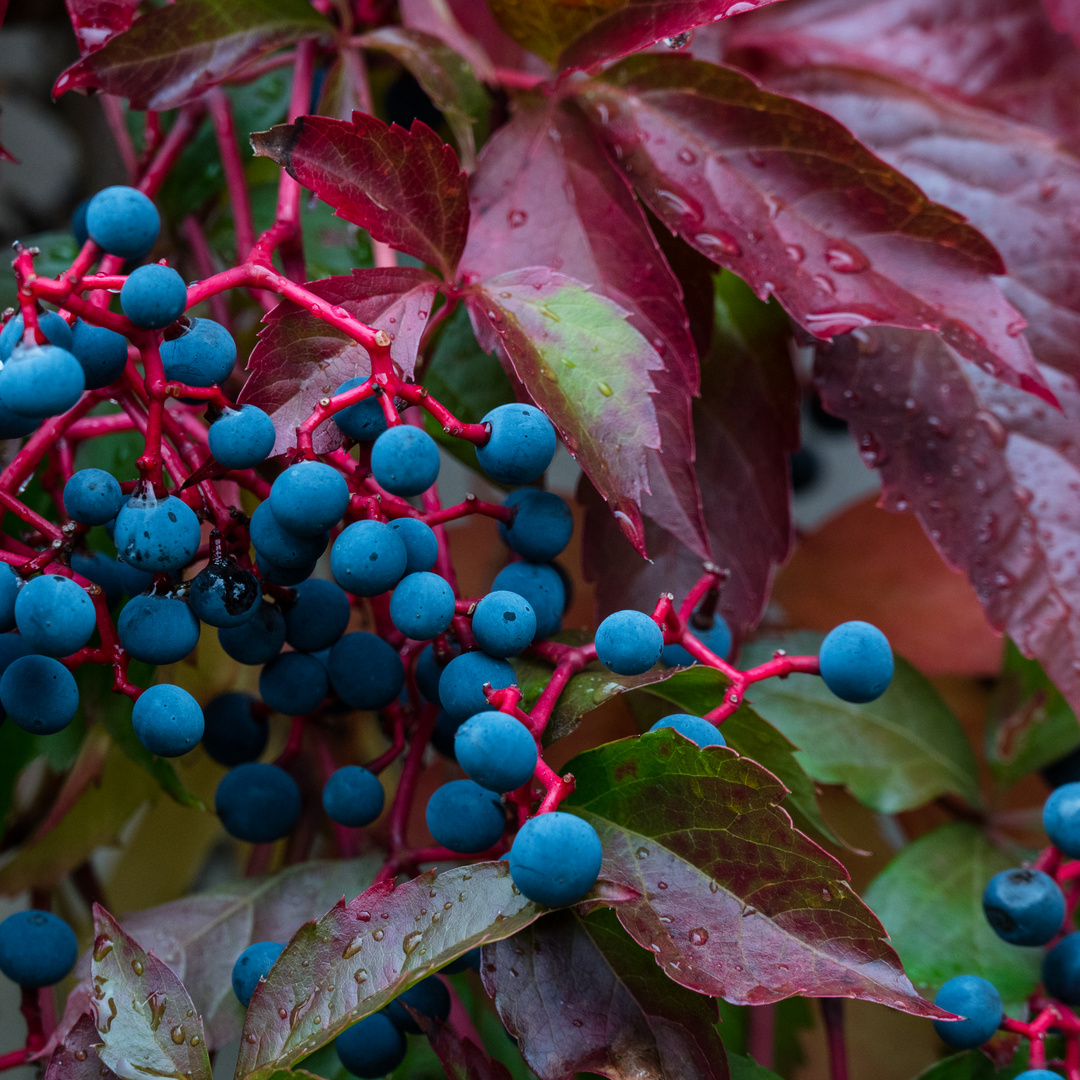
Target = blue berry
(156,534)
(856,662)
(1037,1074)
(224,595)
(101,353)
(465,817)
(78,222)
(258,803)
(309,498)
(353,796)
(319,617)
(461,685)
(520,446)
(421,544)
(257,640)
(429,669)
(204,354)
(39,694)
(233,734)
(1025,907)
(405,460)
(1060,970)
(368,558)
(555,858)
(280,575)
(10,583)
(167,720)
(542,587)
(41,381)
(469,961)
(14,426)
(123,221)
(496,751)
(102,571)
(694,728)
(93,496)
(157,629)
(422,606)
(717,638)
(36,948)
(153,296)
(365,671)
(371,1048)
(12,647)
(503,623)
(281,548)
(542,525)
(293,683)
(442,737)
(252,965)
(973,998)
(52,325)
(54,615)
(629,642)
(365,421)
(1061,817)
(1066,770)
(429,997)
(241,438)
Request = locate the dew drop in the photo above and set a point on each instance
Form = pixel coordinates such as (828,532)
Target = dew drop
(363,916)
(826,895)
(605,389)
(361,976)
(687,156)
(795,253)
(679,41)
(177,1034)
(137,967)
(716,244)
(102,948)
(699,936)
(678,205)
(661,884)
(80,1055)
(642,853)
(755,158)
(714,887)
(846,259)
(283,1013)
(411,941)
(516,218)
(378,935)
(872,451)
(353,947)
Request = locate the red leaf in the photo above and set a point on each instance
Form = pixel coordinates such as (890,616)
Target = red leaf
(1065,16)
(545,194)
(405,187)
(789,200)
(97,21)
(580,996)
(299,359)
(460,1058)
(992,474)
(76,1057)
(172,54)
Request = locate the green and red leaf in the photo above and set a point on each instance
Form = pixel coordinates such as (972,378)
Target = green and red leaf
(76,1058)
(96,22)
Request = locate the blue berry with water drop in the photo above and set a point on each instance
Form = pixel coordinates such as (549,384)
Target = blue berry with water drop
(167,720)
(123,221)
(555,858)
(405,460)
(629,642)
(353,796)
(258,803)
(93,496)
(223,594)
(241,438)
(856,662)
(253,965)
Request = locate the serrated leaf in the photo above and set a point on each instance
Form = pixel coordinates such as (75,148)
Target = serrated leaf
(299,358)
(893,754)
(144,1015)
(787,198)
(76,1058)
(358,956)
(97,21)
(460,1057)
(579,995)
(930,900)
(172,54)
(405,187)
(733,901)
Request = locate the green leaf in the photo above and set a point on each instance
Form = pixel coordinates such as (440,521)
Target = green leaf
(930,900)
(746,1068)
(17,749)
(968,1065)
(892,754)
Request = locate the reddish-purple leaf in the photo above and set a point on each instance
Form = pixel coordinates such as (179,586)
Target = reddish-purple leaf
(993,475)
(405,187)
(581,996)
(299,359)
(545,194)
(172,54)
(460,1058)
(352,961)
(76,1057)
(733,901)
(788,199)
(1065,16)
(97,21)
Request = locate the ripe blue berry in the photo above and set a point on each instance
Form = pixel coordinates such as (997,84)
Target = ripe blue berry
(241,438)
(319,617)
(353,796)
(157,629)
(279,575)
(973,998)
(555,858)
(542,525)
(153,296)
(293,683)
(371,1048)
(279,547)
(421,544)
(92,496)
(204,354)
(39,694)
(41,381)
(258,803)
(465,817)
(12,647)
(461,685)
(856,662)
(123,221)
(36,948)
(1037,1074)
(156,534)
(1025,907)
(222,594)
(101,353)
(257,640)
(10,583)
(542,587)
(1061,816)
(52,325)
(365,421)
(496,751)
(368,558)
(520,446)
(309,498)
(503,623)
(233,734)
(629,642)
(405,460)
(422,606)
(252,965)
(469,961)
(446,729)
(694,728)
(716,638)
(429,997)
(365,671)
(14,426)
(1061,970)
(167,720)
(54,615)
(429,669)
(101,570)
